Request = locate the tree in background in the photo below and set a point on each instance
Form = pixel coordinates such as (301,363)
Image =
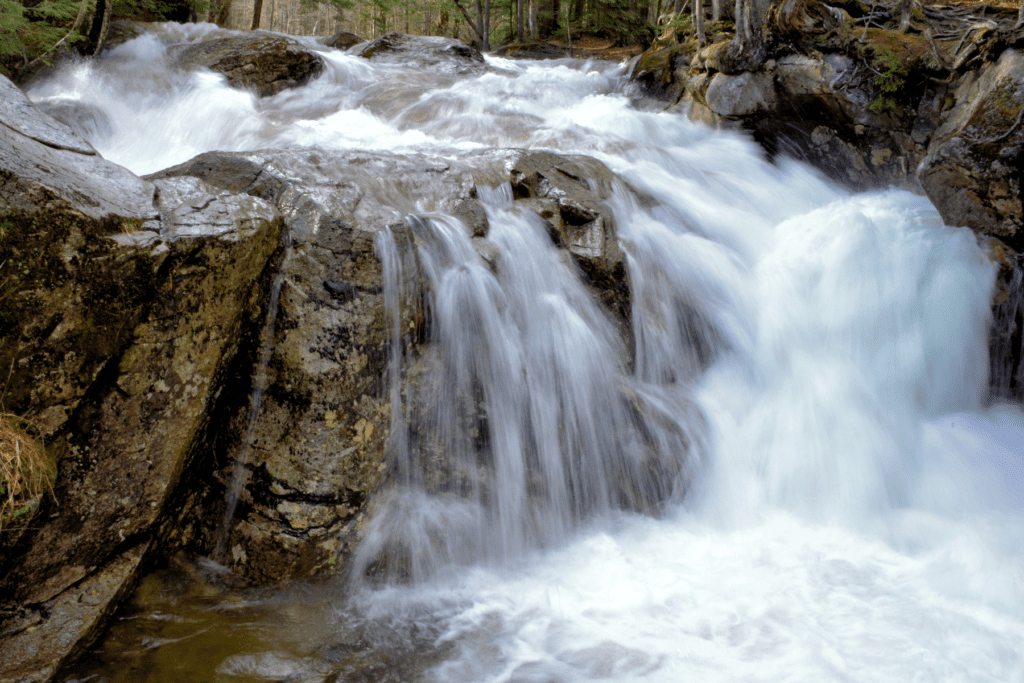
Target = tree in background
(29,34)
(33,31)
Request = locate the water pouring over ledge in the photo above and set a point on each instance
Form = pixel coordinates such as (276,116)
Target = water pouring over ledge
(802,397)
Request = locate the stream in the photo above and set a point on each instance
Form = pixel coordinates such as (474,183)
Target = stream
(830,495)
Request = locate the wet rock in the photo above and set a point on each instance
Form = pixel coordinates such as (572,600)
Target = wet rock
(115,332)
(972,170)
(43,161)
(473,215)
(86,120)
(21,116)
(444,55)
(532,50)
(744,95)
(265,62)
(343,40)
(38,639)
(318,444)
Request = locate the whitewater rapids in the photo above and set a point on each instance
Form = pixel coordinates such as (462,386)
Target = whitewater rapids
(858,514)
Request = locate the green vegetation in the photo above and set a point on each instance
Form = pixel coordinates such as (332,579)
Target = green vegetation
(31,32)
(891,79)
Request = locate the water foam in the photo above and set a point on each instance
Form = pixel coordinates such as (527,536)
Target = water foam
(859,514)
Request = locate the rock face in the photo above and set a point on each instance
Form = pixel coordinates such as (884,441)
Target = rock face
(973,166)
(444,55)
(317,447)
(216,335)
(115,329)
(265,62)
(343,40)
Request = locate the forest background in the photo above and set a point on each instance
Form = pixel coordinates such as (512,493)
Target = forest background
(33,32)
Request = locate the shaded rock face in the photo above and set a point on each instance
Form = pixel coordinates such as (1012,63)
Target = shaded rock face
(224,317)
(265,62)
(343,40)
(532,50)
(115,329)
(318,444)
(972,171)
(445,55)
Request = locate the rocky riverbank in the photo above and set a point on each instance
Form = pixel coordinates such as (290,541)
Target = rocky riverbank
(142,318)
(212,340)
(935,109)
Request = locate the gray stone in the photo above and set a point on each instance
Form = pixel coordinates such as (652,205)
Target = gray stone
(265,62)
(19,114)
(444,55)
(746,94)
(965,172)
(34,174)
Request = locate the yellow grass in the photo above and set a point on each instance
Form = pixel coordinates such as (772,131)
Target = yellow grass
(25,472)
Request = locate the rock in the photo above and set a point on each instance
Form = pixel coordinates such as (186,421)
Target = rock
(86,120)
(343,40)
(265,62)
(38,641)
(578,187)
(21,116)
(444,55)
(42,161)
(972,169)
(115,330)
(318,444)
(531,50)
(191,208)
(744,95)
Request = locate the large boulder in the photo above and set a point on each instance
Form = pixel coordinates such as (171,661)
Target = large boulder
(443,55)
(116,328)
(972,169)
(265,62)
(317,447)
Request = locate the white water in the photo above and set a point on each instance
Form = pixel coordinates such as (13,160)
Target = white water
(858,514)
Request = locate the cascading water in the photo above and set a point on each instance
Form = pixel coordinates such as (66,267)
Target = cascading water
(809,378)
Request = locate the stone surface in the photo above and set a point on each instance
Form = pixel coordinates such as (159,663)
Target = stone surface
(265,62)
(972,170)
(41,638)
(116,328)
(343,40)
(20,115)
(444,55)
(744,95)
(34,174)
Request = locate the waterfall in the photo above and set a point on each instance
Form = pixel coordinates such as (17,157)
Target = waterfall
(530,420)
(788,471)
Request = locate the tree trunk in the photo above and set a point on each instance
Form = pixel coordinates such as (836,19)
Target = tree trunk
(480,21)
(519,21)
(487,26)
(257,11)
(100,24)
(717,7)
(906,7)
(698,22)
(534,28)
(747,50)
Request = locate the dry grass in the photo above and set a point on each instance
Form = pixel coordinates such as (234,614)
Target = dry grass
(25,472)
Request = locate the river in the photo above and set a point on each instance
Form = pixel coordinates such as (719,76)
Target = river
(843,502)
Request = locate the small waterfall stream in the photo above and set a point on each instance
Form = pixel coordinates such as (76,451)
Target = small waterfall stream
(800,414)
